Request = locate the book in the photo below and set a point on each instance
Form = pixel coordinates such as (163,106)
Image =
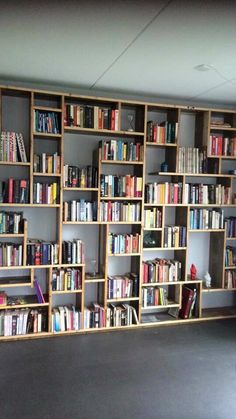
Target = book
(188,295)
(39,291)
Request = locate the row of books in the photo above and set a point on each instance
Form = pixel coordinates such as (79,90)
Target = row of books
(96,117)
(11,254)
(123,286)
(65,318)
(121,315)
(121,186)
(81,210)
(222,146)
(120,211)
(22,321)
(14,191)
(94,316)
(124,243)
(192,160)
(45,193)
(230,279)
(163,193)
(204,219)
(45,163)
(230,256)
(207,194)
(121,150)
(66,279)
(230,226)
(42,253)
(85,177)
(152,218)
(11,222)
(163,133)
(161,270)
(12,147)
(175,236)
(73,252)
(154,296)
(46,122)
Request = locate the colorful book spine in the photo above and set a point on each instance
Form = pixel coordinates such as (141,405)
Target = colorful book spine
(119,150)
(161,270)
(163,193)
(66,318)
(120,211)
(121,186)
(124,243)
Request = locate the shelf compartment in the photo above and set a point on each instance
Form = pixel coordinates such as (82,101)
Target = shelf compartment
(13,163)
(146,249)
(44,134)
(150,144)
(209,230)
(163,307)
(67,292)
(124,254)
(117,300)
(102,131)
(80,189)
(122,162)
(120,198)
(46,108)
(47,174)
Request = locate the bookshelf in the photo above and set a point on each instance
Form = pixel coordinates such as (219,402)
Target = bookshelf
(106,171)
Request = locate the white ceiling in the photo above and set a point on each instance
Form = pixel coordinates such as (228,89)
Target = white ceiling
(147,47)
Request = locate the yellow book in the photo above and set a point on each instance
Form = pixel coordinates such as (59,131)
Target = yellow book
(54,193)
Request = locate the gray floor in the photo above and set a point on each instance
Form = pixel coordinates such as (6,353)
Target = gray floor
(170,372)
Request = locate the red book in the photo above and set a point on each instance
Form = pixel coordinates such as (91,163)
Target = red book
(75,116)
(220,144)
(154,133)
(10,191)
(213,146)
(113,120)
(187,299)
(109,211)
(176,190)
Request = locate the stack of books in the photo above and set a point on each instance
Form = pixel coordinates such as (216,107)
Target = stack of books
(81,210)
(12,147)
(66,279)
(85,177)
(222,146)
(207,194)
(42,253)
(121,315)
(65,318)
(121,150)
(45,193)
(230,256)
(152,218)
(11,222)
(120,211)
(192,160)
(121,186)
(94,316)
(123,286)
(14,191)
(85,116)
(230,279)
(44,163)
(46,122)
(124,243)
(161,270)
(175,236)
(162,133)
(204,219)
(11,254)
(230,227)
(163,193)
(22,321)
(154,296)
(73,252)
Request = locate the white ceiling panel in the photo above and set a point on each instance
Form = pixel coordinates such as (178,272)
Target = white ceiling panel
(186,34)
(226,93)
(70,42)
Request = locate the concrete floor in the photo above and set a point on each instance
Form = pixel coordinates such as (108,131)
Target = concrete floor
(177,372)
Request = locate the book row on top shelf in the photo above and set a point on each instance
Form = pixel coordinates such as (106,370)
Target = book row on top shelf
(147,177)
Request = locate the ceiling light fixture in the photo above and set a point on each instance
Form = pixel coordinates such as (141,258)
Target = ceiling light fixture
(203,67)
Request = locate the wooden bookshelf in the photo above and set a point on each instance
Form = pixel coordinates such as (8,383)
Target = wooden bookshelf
(142,112)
